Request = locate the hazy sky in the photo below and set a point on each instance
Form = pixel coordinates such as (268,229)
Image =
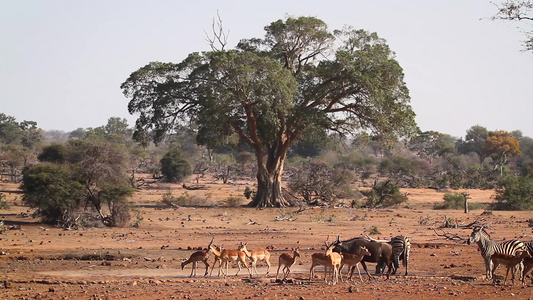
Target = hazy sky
(62,61)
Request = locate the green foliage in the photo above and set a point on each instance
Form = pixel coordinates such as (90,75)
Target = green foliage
(175,167)
(248,193)
(514,193)
(384,194)
(456,201)
(474,142)
(271,91)
(530,222)
(374,230)
(54,153)
(452,201)
(397,166)
(432,144)
(53,189)
(3,202)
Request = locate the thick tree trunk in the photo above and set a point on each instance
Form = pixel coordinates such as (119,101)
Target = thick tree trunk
(269,190)
(269,187)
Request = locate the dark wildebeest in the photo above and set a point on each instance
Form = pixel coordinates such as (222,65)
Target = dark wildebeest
(379,252)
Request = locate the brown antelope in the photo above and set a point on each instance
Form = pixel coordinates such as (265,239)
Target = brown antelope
(352,260)
(196,257)
(288,260)
(318,259)
(510,261)
(256,255)
(227,256)
(528,265)
(217,259)
(335,260)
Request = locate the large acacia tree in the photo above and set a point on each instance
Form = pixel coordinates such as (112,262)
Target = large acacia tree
(271,90)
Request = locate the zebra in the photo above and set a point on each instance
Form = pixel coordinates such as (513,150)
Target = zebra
(401,247)
(489,247)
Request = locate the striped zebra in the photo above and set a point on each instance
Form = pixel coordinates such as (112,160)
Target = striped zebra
(489,247)
(401,247)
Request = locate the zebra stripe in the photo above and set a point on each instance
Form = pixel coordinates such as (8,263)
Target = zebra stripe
(489,247)
(529,246)
(401,247)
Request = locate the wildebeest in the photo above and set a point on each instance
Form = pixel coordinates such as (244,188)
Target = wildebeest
(379,252)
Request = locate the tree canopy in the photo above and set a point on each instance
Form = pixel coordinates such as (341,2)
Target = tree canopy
(270,90)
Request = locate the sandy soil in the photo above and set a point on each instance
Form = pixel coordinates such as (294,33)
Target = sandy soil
(44,262)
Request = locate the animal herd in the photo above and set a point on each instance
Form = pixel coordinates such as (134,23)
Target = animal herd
(362,250)
(338,254)
(511,253)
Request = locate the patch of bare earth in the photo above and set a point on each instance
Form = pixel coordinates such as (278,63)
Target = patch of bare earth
(44,262)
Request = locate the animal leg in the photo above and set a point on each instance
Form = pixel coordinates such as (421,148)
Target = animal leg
(277,271)
(488,267)
(366,270)
(268,267)
(206,267)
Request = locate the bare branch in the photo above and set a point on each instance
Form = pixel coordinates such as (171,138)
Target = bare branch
(220,38)
(449,236)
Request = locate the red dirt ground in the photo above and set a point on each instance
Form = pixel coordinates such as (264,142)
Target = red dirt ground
(44,262)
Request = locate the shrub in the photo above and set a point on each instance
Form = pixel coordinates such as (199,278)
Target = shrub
(174,167)
(54,153)
(456,201)
(183,200)
(234,201)
(514,193)
(374,230)
(451,201)
(3,203)
(384,194)
(319,184)
(52,189)
(120,214)
(248,193)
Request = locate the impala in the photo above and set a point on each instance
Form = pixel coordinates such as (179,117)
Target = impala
(196,257)
(287,259)
(352,260)
(335,260)
(227,256)
(256,255)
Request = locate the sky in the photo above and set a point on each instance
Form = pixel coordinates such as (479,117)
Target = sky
(62,61)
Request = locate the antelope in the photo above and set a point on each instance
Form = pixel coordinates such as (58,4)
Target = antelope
(528,265)
(352,260)
(197,256)
(335,260)
(528,262)
(288,260)
(509,261)
(226,256)
(318,259)
(256,255)
(217,259)
(489,247)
